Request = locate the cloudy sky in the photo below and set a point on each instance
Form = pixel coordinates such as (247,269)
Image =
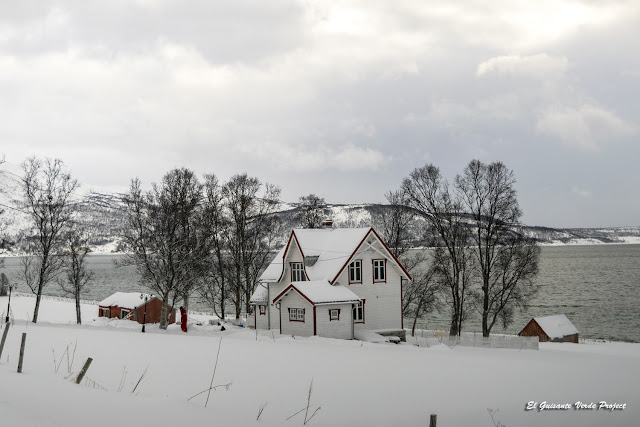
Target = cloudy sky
(338,98)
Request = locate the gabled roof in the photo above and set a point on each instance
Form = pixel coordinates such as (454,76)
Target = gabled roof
(557,326)
(124,299)
(330,250)
(320,292)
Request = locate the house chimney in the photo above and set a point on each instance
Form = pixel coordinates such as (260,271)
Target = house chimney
(327,224)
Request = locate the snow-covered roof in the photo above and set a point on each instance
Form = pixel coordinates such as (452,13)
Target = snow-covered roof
(259,295)
(329,249)
(557,326)
(321,292)
(124,299)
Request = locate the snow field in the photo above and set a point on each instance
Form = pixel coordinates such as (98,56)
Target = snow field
(354,383)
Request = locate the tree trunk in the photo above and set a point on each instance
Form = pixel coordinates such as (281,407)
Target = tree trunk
(37,307)
(78,317)
(163,311)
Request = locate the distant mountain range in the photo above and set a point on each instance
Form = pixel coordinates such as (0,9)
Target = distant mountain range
(103,213)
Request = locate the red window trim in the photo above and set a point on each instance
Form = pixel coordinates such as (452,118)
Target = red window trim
(304,314)
(263,310)
(335,309)
(349,271)
(363,318)
(373,270)
(304,273)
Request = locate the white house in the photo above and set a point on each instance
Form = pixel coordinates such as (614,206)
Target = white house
(331,282)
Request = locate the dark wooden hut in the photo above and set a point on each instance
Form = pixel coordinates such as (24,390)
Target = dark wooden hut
(130,305)
(556,328)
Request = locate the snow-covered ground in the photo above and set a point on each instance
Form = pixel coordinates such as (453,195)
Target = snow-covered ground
(354,383)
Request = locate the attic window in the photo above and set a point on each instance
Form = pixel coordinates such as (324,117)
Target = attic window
(310,261)
(297,272)
(379,270)
(355,272)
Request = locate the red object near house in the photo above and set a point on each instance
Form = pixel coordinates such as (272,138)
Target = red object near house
(129,305)
(183,319)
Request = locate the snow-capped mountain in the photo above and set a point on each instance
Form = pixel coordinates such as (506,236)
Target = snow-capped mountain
(102,213)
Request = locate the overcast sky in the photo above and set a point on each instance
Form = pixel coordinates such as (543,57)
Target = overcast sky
(338,98)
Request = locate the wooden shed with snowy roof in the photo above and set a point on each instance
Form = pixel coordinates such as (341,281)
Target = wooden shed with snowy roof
(131,305)
(331,282)
(557,328)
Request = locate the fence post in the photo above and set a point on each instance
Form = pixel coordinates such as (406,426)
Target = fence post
(24,340)
(432,420)
(4,337)
(84,370)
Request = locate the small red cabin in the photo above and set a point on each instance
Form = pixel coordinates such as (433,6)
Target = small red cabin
(556,328)
(131,305)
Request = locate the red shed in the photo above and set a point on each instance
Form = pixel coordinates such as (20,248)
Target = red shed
(556,328)
(130,305)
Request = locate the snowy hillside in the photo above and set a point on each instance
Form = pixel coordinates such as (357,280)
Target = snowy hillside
(102,212)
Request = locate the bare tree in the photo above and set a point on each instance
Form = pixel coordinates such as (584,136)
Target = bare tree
(164,236)
(311,211)
(395,223)
(428,192)
(4,243)
(47,193)
(77,275)
(216,283)
(253,232)
(507,261)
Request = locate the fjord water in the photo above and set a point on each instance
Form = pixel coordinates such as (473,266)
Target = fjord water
(597,287)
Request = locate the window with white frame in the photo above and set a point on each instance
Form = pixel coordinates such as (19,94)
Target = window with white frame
(124,313)
(104,312)
(263,309)
(296,314)
(379,270)
(334,314)
(358,312)
(297,272)
(355,272)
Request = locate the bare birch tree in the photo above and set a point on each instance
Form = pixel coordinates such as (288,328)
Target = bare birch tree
(311,211)
(253,232)
(163,233)
(395,224)
(216,282)
(47,195)
(428,192)
(507,261)
(77,276)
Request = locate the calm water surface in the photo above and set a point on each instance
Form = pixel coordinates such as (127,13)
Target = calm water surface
(597,287)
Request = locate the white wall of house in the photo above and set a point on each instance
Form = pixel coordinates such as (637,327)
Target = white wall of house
(261,321)
(383,300)
(341,328)
(293,255)
(302,329)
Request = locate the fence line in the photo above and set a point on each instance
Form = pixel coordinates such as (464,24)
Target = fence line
(474,339)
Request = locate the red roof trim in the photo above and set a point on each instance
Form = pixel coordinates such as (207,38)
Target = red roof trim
(391,253)
(358,247)
(284,255)
(276,299)
(351,256)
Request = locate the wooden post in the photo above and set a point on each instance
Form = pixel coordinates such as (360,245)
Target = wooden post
(432,420)
(84,370)
(4,337)
(24,340)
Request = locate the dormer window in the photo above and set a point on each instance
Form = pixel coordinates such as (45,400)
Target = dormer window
(297,272)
